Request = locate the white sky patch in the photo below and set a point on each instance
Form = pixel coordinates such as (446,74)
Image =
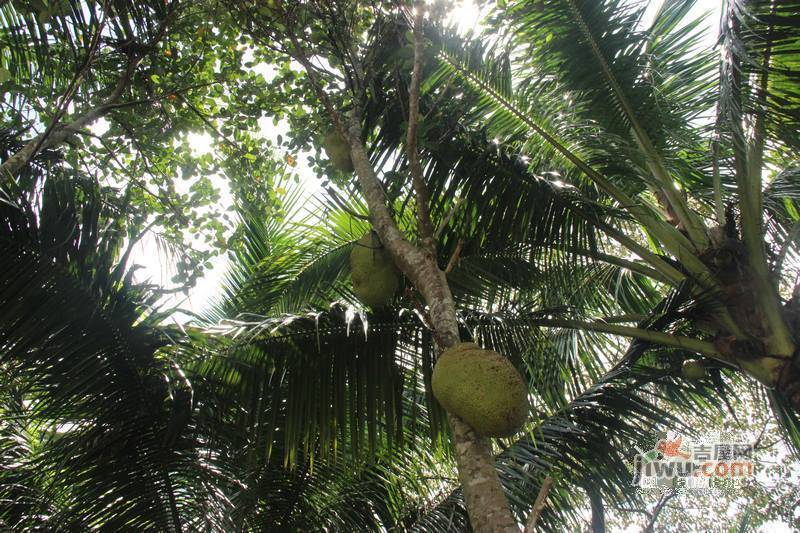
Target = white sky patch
(200,143)
(100,127)
(466,16)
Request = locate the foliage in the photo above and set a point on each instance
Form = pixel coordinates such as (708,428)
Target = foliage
(584,168)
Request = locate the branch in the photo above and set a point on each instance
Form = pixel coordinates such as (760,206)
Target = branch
(302,58)
(598,511)
(341,204)
(40,140)
(417,178)
(666,497)
(420,268)
(55,134)
(455,257)
(538,505)
(448,218)
(211,125)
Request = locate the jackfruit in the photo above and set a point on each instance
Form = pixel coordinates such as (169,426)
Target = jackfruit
(375,278)
(693,369)
(482,388)
(338,150)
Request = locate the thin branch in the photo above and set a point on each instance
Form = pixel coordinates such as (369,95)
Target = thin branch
(237,149)
(455,257)
(666,497)
(300,55)
(342,205)
(448,218)
(539,504)
(61,108)
(415,167)
(54,133)
(439,97)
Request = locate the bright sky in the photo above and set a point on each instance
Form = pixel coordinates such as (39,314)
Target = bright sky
(157,266)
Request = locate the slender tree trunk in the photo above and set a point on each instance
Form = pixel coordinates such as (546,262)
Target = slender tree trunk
(662,502)
(598,512)
(485,499)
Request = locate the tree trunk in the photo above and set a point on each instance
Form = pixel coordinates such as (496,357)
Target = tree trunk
(485,499)
(598,512)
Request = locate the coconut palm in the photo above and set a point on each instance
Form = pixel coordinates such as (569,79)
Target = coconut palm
(696,148)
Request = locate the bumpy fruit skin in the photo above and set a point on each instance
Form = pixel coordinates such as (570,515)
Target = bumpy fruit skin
(338,151)
(482,388)
(375,278)
(693,369)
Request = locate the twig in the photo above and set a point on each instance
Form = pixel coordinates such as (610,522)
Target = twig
(301,57)
(415,167)
(238,150)
(538,505)
(455,257)
(342,205)
(448,218)
(61,108)
(440,96)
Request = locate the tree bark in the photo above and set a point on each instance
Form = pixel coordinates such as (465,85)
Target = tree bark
(486,503)
(662,502)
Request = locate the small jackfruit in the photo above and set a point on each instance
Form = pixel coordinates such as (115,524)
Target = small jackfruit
(375,278)
(482,388)
(338,150)
(693,369)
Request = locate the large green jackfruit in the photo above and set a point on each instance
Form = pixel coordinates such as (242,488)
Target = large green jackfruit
(482,388)
(375,278)
(338,151)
